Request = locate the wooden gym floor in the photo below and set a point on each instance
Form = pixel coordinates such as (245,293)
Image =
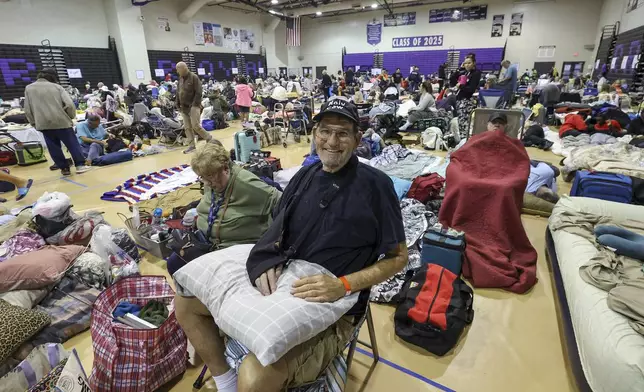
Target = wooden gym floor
(514,342)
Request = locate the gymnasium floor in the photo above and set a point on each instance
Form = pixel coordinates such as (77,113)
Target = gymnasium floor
(513,343)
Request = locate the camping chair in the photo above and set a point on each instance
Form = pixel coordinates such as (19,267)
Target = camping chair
(170,135)
(514,129)
(491,98)
(338,369)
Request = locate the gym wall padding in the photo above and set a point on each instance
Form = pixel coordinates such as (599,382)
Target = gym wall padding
(220,65)
(19,66)
(487,59)
(628,46)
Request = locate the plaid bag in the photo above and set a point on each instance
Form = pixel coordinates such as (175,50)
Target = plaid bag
(127,359)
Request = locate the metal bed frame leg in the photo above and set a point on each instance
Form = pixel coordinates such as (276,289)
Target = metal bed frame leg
(199,381)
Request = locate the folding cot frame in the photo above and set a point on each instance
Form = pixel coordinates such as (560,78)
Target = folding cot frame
(565,319)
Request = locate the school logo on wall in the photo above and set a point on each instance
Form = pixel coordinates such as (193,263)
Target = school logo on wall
(374,32)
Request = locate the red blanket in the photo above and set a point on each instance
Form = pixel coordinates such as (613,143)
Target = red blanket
(486,179)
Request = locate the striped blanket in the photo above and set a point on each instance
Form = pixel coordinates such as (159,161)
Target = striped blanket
(148,186)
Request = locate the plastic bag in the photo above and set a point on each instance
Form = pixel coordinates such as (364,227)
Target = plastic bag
(121,264)
(51,205)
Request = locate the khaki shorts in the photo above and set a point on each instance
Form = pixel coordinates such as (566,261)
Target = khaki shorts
(306,362)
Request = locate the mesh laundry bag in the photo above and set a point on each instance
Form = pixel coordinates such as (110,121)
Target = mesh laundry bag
(127,359)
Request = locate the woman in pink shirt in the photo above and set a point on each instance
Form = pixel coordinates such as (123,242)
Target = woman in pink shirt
(244,98)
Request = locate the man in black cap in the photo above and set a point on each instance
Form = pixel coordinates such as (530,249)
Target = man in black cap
(340,214)
(51,110)
(497,122)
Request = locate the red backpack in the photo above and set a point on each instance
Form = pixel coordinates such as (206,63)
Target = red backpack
(426,187)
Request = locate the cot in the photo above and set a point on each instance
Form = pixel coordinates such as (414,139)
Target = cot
(604,352)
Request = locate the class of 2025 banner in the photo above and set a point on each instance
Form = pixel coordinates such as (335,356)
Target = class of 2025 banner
(418,41)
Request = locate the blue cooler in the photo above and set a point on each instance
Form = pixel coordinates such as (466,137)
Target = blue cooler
(443,246)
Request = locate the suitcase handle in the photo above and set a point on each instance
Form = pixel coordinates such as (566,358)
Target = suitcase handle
(30,153)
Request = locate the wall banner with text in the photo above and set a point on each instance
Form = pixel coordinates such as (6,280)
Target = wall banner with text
(374,33)
(419,41)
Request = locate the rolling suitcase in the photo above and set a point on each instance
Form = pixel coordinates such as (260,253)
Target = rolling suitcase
(604,186)
(245,142)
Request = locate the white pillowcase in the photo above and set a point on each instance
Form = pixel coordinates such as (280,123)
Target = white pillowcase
(268,326)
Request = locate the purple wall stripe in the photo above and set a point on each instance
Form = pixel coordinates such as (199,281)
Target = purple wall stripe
(487,59)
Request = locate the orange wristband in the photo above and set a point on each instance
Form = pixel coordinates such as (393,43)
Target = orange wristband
(347,286)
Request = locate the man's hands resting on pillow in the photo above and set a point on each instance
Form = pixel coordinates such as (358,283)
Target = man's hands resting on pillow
(323,288)
(267,282)
(318,288)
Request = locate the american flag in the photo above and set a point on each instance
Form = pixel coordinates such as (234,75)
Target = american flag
(293,31)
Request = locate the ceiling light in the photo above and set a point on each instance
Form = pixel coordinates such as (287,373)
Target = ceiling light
(271,11)
(273,1)
(374,5)
(318,13)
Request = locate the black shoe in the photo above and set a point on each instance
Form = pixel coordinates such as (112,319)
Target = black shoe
(55,167)
(66,172)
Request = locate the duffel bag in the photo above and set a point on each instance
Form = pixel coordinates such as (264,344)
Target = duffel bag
(434,308)
(426,187)
(604,186)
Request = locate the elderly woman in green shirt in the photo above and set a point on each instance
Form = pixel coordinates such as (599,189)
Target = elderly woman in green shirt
(235,208)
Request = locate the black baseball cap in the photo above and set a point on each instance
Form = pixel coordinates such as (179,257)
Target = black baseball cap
(498,117)
(341,107)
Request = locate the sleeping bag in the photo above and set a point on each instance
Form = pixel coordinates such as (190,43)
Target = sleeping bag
(486,179)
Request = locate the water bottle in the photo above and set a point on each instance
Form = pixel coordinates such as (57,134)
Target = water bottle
(136,217)
(157,215)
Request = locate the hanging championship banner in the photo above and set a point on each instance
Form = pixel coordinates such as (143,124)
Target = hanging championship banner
(401,19)
(516,25)
(458,14)
(374,32)
(497,25)
(198,33)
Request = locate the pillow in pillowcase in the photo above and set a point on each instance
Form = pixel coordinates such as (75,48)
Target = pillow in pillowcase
(38,269)
(17,325)
(268,325)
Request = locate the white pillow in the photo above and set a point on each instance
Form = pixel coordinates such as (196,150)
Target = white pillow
(269,326)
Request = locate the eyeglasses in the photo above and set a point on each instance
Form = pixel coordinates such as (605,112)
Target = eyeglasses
(325,134)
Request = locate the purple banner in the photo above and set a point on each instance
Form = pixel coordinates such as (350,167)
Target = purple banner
(374,33)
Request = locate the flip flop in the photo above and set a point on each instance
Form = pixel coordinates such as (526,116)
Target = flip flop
(22,192)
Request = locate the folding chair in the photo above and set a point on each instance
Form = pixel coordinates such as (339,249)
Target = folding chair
(334,377)
(491,98)
(479,119)
(174,136)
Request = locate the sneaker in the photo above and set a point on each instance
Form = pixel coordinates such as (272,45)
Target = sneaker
(189,150)
(82,169)
(66,172)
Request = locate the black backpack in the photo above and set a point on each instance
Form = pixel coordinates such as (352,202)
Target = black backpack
(435,306)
